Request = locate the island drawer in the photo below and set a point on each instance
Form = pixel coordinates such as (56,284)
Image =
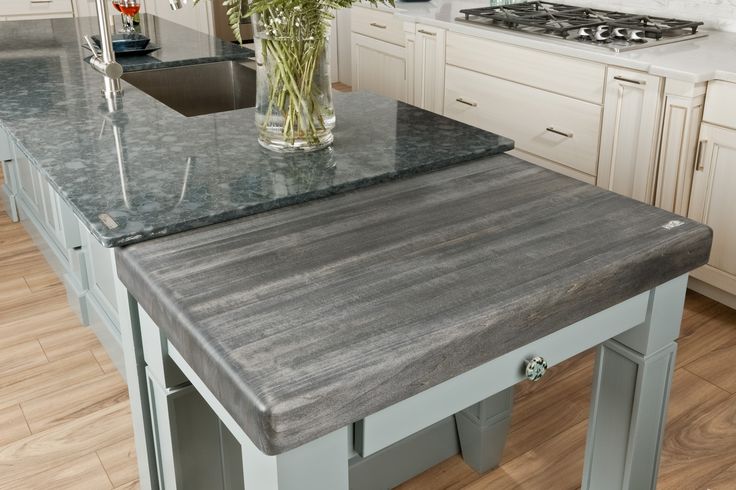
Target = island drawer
(377,24)
(720,104)
(36,8)
(390,425)
(552,126)
(554,73)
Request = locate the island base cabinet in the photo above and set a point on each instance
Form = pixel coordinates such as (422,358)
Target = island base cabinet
(713,202)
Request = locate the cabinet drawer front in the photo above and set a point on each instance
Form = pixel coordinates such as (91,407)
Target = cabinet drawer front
(567,76)
(720,104)
(35,7)
(378,24)
(558,128)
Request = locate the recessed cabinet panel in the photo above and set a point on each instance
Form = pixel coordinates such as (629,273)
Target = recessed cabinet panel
(379,67)
(429,68)
(6,151)
(548,125)
(631,115)
(713,202)
(27,181)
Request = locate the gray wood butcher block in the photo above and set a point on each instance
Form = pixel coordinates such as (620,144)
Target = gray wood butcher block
(308,318)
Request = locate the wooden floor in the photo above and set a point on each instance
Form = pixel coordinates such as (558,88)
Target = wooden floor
(65,419)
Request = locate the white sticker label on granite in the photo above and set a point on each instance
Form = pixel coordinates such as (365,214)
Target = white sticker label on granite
(107,221)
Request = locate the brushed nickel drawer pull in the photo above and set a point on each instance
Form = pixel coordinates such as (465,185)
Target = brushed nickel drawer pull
(561,133)
(42,1)
(463,101)
(629,80)
(380,26)
(699,155)
(427,32)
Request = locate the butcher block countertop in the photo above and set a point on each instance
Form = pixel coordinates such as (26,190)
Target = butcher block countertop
(305,319)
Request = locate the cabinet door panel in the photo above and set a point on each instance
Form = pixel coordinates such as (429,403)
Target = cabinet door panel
(429,68)
(631,115)
(26,180)
(713,198)
(379,67)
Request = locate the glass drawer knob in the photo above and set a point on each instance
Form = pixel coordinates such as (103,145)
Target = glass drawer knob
(535,368)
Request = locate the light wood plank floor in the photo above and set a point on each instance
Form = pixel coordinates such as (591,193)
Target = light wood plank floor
(65,419)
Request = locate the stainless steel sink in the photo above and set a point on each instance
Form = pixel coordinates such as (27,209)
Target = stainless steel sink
(194,90)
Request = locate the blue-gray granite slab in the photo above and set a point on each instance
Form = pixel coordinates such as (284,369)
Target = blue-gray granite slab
(147,171)
(306,319)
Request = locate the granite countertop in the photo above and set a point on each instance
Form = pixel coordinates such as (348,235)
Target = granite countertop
(697,60)
(176,173)
(308,318)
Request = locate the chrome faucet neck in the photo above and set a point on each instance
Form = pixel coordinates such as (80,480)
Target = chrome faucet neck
(104,62)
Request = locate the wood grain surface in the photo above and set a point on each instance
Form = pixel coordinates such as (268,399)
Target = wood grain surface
(306,319)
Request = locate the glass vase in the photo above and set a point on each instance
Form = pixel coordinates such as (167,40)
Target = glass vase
(294,110)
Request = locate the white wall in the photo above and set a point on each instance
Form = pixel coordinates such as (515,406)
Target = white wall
(717,14)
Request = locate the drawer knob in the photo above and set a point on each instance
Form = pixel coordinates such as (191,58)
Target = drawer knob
(535,368)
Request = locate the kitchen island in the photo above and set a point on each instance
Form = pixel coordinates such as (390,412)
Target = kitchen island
(84,177)
(462,268)
(325,333)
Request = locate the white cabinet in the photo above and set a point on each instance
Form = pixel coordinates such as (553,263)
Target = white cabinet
(713,202)
(683,113)
(379,67)
(631,117)
(550,105)
(429,68)
(35,9)
(557,128)
(379,56)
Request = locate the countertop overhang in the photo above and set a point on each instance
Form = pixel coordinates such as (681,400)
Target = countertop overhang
(306,319)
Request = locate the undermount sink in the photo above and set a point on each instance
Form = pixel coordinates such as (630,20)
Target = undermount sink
(194,90)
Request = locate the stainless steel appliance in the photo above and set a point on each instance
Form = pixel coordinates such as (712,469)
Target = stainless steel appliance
(617,31)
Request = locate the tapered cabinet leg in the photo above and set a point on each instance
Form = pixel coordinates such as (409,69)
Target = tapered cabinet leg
(482,430)
(631,386)
(318,465)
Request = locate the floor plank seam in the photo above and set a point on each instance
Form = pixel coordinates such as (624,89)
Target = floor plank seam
(97,453)
(25,417)
(706,380)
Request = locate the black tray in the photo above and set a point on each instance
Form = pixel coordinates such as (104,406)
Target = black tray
(124,42)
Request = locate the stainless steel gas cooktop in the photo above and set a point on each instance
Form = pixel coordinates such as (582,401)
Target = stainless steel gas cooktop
(617,31)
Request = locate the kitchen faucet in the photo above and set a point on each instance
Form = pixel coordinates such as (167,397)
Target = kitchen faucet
(104,62)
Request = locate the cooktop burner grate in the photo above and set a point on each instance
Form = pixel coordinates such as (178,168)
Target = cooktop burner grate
(569,20)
